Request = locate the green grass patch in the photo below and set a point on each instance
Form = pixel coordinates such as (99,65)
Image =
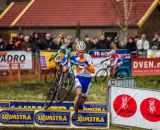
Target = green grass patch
(36,90)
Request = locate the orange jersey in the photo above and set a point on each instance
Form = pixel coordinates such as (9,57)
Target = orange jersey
(82,61)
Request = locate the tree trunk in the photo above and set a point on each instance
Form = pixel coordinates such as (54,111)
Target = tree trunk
(125,21)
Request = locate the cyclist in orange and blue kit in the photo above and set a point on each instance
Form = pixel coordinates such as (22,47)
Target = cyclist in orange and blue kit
(84,68)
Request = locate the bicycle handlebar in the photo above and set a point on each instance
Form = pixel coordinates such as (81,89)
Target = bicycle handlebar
(105,60)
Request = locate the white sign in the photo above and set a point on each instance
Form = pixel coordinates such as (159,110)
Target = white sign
(15,57)
(135,107)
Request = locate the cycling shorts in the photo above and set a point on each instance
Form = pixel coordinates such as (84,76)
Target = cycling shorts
(84,83)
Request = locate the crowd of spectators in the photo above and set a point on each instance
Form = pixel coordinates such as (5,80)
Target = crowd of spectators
(34,42)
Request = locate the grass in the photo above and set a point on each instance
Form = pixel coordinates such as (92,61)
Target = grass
(33,89)
(150,82)
(29,90)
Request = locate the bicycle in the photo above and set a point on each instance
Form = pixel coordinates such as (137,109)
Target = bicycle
(104,73)
(52,74)
(62,86)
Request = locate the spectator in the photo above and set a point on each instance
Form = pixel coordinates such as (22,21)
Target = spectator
(11,44)
(77,40)
(69,43)
(47,42)
(94,41)
(136,38)
(18,44)
(36,42)
(155,43)
(108,41)
(74,43)
(61,35)
(2,44)
(117,43)
(113,46)
(53,45)
(27,45)
(102,43)
(58,42)
(62,40)
(89,44)
(142,44)
(131,45)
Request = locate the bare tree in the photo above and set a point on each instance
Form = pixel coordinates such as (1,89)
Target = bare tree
(123,10)
(127,11)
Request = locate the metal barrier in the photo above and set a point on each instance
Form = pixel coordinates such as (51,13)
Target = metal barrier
(123,82)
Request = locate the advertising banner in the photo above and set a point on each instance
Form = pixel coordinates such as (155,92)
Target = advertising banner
(48,118)
(15,57)
(16,117)
(145,66)
(91,120)
(97,107)
(100,55)
(4,104)
(44,59)
(135,107)
(53,119)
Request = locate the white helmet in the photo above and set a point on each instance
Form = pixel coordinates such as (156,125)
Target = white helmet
(80,46)
(112,52)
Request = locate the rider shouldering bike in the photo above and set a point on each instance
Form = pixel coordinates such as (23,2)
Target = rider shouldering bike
(84,69)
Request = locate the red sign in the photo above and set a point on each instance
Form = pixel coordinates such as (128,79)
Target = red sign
(145,66)
(125,106)
(150,109)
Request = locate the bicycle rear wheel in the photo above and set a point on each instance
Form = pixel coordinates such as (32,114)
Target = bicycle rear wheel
(122,73)
(50,76)
(65,87)
(101,75)
(50,95)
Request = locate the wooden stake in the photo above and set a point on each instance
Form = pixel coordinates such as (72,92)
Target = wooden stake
(10,72)
(39,69)
(19,73)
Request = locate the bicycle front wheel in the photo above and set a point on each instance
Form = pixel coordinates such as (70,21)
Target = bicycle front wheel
(101,75)
(50,96)
(65,87)
(121,73)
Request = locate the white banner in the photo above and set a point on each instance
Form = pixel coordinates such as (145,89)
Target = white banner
(135,107)
(15,57)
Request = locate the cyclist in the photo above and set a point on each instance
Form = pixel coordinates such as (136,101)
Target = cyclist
(115,61)
(83,77)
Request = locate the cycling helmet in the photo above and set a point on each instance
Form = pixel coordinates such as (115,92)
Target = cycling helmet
(80,46)
(112,52)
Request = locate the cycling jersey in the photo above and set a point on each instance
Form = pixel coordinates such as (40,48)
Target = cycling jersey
(116,60)
(85,60)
